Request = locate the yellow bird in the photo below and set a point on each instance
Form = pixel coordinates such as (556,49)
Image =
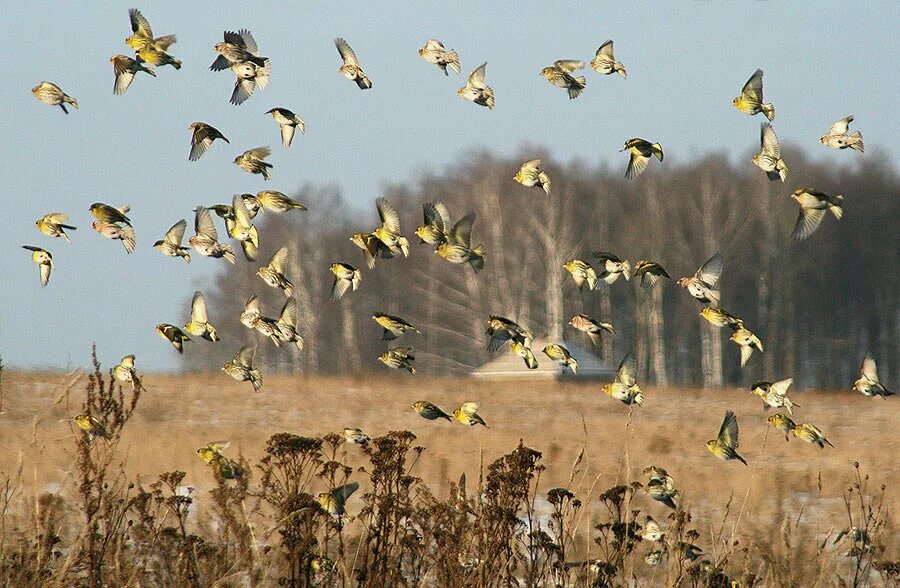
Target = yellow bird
(725,445)
(142,35)
(199,325)
(641,151)
(91,427)
(43,259)
(430,411)
(467,415)
(333,502)
(751,99)
(530,175)
(625,387)
(811,434)
(53,224)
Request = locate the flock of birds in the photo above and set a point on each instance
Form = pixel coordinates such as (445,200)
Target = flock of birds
(452,241)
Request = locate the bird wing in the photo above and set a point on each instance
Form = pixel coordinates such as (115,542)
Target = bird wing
(259,152)
(462,230)
(627,372)
(434,44)
(203,224)
(339,287)
(201,139)
(476,78)
(124,75)
(198,309)
(468,408)
(243,89)
(444,215)
(346,52)
(710,271)
(279,259)
(533,164)
(780,388)
(568,65)
(728,432)
(252,304)
(244,356)
(390,220)
(287,134)
(841,127)
(175,234)
(220,63)
(289,312)
(342,493)
(57,217)
(45,268)
(636,165)
(165,42)
(139,24)
(753,89)
(606,49)
(433,216)
(869,369)
(768,141)
(241,214)
(807,222)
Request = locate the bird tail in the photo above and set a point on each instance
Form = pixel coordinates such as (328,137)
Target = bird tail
(70,100)
(835,206)
(657,151)
(363,81)
(256,379)
(186,256)
(410,369)
(576,88)
(626,270)
(827,441)
(128,238)
(573,365)
(228,254)
(264,170)
(620,69)
(767,109)
(70,227)
(639,398)
(488,98)
(856,142)
(741,459)
(176,63)
(452,58)
(476,258)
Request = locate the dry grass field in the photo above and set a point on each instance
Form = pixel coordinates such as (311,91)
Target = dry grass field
(178,414)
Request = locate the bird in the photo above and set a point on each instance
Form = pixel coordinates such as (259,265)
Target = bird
(345,276)
(157,57)
(811,434)
(275,201)
(641,151)
(688,551)
(702,285)
(202,136)
(592,328)
(142,35)
(389,231)
(813,206)
(393,326)
(530,175)
(44,260)
(50,93)
(242,229)
(501,329)
(287,324)
(661,488)
(333,502)
(252,161)
(604,62)
(124,370)
(561,355)
(117,231)
(173,335)
(91,426)
(125,68)
(249,76)
(560,75)
(582,272)
(110,214)
(775,394)
(650,530)
(751,99)
(476,90)
(54,224)
(199,325)
(273,272)
(611,267)
(457,248)
(288,122)
(252,318)
(241,367)
(769,157)
(433,52)
(524,351)
(430,411)
(720,317)
(837,137)
(746,340)
(170,244)
(372,248)
(625,387)
(868,383)
(356,436)
(436,225)
(725,445)
(206,240)
(221,465)
(781,422)
(236,47)
(467,415)
(650,272)
(351,69)
(398,358)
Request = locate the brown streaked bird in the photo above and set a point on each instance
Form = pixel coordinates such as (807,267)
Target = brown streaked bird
(43,259)
(351,69)
(117,232)
(275,201)
(248,76)
(605,63)
(467,415)
(54,224)
(530,175)
(813,206)
(458,246)
(199,325)
(345,277)
(393,326)
(125,68)
(273,272)
(110,214)
(434,52)
(389,231)
(582,272)
(202,136)
(501,329)
(590,327)
(781,422)
(241,367)
(611,267)
(560,75)
(170,244)
(837,137)
(640,153)
(372,248)
(625,387)
(524,351)
(650,272)
(242,228)
(476,90)
(206,240)
(769,157)
(811,434)
(253,161)
(725,445)
(868,383)
(775,394)
(50,93)
(720,317)
(702,285)
(430,411)
(142,35)
(124,370)
(251,317)
(173,335)
(561,355)
(436,224)
(288,122)
(746,340)
(751,99)
(236,48)
(398,358)
(287,324)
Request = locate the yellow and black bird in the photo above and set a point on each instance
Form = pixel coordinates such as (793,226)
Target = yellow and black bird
(811,434)
(334,502)
(273,272)
(50,93)
(501,329)
(206,240)
(242,228)
(582,272)
(430,411)
(202,136)
(813,206)
(124,69)
(868,383)
(398,358)
(720,318)
(389,231)
(591,328)
(351,69)
(213,455)
(142,35)
(560,75)
(837,137)
(746,340)
(458,246)
(253,161)
(393,326)
(345,276)
(436,225)
(769,157)
(703,284)
(611,267)
(241,367)
(173,335)
(476,90)
(433,52)
(524,351)
(640,153)
(530,175)
(751,99)
(604,61)
(783,423)
(561,355)
(650,272)
(110,214)
(372,248)
(287,324)
(467,414)
(199,325)
(288,122)
(54,224)
(43,259)
(725,445)
(170,244)
(625,387)
(275,201)
(91,426)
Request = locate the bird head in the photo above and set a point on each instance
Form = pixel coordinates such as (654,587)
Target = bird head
(220,46)
(736,101)
(711,445)
(547,72)
(755,159)
(683,282)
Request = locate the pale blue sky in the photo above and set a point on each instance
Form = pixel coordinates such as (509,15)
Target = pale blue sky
(686,60)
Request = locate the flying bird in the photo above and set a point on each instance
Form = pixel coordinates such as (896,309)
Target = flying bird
(54,224)
(288,122)
(44,260)
(530,174)
(811,434)
(476,90)
(725,445)
(237,48)
(625,387)
(641,151)
(287,324)
(206,240)
(436,226)
(389,231)
(393,326)
(467,415)
(356,437)
(561,355)
(242,228)
(345,277)
(868,383)
(202,136)
(333,502)
(501,329)
(782,423)
(253,161)
(433,52)
(173,335)
(720,318)
(170,244)
(249,76)
(273,272)
(611,267)
(746,340)
(398,358)
(120,230)
(241,367)
(813,206)
(142,35)
(581,272)
(457,248)
(769,157)
(125,68)
(275,201)
(524,351)
(775,394)
(650,272)
(605,62)
(372,248)
(560,75)
(351,68)
(157,57)
(592,328)
(50,93)
(751,99)
(430,411)
(199,325)
(837,137)
(702,285)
